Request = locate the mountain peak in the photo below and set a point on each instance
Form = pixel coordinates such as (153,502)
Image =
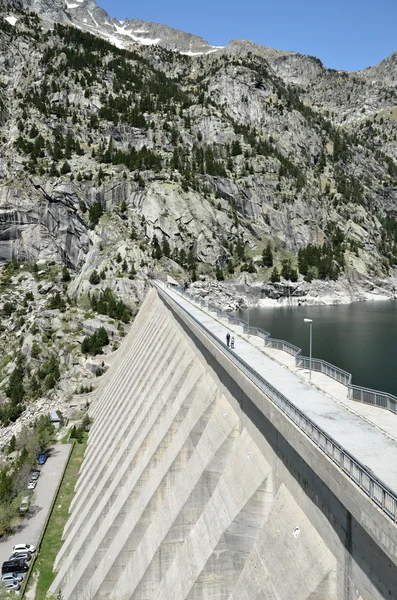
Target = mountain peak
(127,34)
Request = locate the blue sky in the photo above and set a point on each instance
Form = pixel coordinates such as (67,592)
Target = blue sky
(344,34)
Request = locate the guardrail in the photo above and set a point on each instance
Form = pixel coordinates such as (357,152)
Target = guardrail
(282,345)
(354,392)
(381,399)
(373,487)
(324,367)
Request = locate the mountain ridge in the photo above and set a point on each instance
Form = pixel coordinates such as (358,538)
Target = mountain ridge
(84,13)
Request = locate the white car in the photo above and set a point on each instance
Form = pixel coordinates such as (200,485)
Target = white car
(24,548)
(12,577)
(9,585)
(31,485)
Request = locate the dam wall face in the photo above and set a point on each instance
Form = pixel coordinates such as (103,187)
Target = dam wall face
(196,486)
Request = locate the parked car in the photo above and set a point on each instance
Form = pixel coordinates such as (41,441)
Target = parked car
(12,577)
(16,565)
(32,485)
(9,585)
(24,548)
(42,458)
(24,506)
(21,555)
(34,475)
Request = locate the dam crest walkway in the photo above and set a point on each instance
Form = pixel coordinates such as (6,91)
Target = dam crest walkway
(359,436)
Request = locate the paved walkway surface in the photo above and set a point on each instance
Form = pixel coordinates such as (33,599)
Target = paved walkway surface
(372,446)
(33,523)
(383,419)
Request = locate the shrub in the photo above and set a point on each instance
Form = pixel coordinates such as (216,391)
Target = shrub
(57,302)
(106,303)
(9,308)
(65,274)
(49,372)
(92,344)
(35,350)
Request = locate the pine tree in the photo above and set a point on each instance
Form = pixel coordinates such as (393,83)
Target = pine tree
(251,267)
(34,132)
(322,161)
(236,148)
(286,269)
(65,274)
(65,168)
(94,278)
(182,257)
(275,277)
(166,247)
(230,266)
(267,256)
(219,273)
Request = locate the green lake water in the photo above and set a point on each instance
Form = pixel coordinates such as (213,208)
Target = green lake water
(360,338)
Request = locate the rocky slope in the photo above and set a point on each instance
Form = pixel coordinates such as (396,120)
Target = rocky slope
(141,150)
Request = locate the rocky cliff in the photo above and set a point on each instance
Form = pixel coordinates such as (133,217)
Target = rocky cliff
(129,149)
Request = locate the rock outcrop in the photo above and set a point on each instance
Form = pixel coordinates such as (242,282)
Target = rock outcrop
(39,223)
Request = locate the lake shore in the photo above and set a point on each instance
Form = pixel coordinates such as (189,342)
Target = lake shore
(246,291)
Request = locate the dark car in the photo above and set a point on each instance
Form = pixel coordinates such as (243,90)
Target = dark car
(42,458)
(21,556)
(14,566)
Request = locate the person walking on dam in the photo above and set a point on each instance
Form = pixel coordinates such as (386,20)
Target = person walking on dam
(228,339)
(232,342)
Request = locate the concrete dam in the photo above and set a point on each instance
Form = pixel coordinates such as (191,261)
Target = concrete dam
(198,485)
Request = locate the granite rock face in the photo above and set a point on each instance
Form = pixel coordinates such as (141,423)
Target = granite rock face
(42,224)
(245,138)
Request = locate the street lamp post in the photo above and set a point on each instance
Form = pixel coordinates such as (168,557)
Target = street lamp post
(310,321)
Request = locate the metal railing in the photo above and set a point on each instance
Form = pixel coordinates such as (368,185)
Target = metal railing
(354,392)
(282,345)
(325,367)
(367,396)
(373,487)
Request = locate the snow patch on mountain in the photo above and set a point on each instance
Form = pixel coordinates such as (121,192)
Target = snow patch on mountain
(116,42)
(214,49)
(92,17)
(144,41)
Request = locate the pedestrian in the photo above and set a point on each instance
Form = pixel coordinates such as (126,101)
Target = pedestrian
(228,339)
(232,342)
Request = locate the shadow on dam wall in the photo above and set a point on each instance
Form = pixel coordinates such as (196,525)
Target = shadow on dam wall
(362,569)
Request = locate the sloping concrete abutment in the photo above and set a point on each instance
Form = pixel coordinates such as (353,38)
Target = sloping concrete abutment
(197,486)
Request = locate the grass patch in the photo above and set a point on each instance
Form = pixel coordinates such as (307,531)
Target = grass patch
(52,540)
(66,438)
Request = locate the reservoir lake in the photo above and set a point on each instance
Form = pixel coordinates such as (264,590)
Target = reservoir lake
(360,338)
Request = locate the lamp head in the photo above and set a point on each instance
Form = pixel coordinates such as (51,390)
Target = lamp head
(308,320)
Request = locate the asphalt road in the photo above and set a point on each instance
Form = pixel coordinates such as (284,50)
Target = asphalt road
(33,522)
